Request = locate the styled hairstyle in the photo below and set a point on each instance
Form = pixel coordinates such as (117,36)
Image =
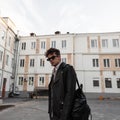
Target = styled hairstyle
(51,51)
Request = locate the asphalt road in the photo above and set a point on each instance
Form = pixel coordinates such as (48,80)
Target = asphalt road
(36,109)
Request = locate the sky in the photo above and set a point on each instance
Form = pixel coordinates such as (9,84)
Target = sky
(44,17)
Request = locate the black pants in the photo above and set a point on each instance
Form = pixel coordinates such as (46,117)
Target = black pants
(85,117)
(54,118)
(76,118)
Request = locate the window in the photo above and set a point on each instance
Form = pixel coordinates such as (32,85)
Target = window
(95,63)
(9,40)
(42,62)
(108,83)
(64,60)
(115,42)
(118,82)
(32,61)
(2,35)
(20,82)
(96,83)
(117,62)
(104,43)
(94,43)
(33,44)
(23,46)
(106,62)
(31,81)
(42,44)
(1,54)
(41,81)
(7,59)
(22,62)
(53,44)
(63,43)
(12,63)
(114,72)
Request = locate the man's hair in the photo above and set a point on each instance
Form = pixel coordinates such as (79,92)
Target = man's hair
(51,51)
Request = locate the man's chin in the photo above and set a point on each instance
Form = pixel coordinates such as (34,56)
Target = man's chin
(53,64)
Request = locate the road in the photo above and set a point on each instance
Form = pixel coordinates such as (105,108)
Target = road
(37,109)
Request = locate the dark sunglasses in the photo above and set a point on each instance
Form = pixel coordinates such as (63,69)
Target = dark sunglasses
(51,58)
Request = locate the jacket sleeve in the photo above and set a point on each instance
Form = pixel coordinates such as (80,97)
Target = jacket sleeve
(69,79)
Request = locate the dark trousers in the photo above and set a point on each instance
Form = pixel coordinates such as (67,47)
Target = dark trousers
(76,118)
(54,118)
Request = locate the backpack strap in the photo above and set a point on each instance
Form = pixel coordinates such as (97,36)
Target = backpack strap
(80,86)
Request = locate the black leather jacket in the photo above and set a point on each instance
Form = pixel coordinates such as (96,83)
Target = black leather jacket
(61,92)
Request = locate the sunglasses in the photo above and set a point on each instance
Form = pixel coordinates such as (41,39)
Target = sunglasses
(51,58)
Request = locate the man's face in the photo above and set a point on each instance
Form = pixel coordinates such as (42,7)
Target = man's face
(54,59)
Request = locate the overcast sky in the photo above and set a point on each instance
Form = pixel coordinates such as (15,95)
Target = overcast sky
(44,17)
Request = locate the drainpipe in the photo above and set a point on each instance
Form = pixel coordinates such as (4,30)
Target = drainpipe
(15,67)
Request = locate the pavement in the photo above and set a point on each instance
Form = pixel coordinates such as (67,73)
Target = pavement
(36,109)
(25,109)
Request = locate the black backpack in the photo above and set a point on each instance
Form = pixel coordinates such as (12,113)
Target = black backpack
(80,109)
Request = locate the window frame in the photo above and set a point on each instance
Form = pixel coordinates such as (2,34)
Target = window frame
(106,63)
(1,55)
(118,82)
(117,62)
(43,44)
(94,43)
(33,45)
(108,83)
(115,42)
(53,44)
(31,81)
(96,83)
(64,43)
(41,81)
(95,62)
(104,43)
(7,60)
(22,62)
(23,46)
(20,81)
(32,62)
(42,62)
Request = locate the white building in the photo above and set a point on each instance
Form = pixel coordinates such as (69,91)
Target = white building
(97,61)
(95,57)
(7,56)
(34,70)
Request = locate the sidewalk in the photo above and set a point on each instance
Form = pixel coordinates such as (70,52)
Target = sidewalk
(25,109)
(10,102)
(37,109)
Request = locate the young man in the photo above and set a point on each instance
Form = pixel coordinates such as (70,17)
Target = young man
(61,87)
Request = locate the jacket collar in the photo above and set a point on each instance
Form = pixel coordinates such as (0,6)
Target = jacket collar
(62,65)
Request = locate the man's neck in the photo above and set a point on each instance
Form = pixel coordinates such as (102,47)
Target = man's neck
(57,66)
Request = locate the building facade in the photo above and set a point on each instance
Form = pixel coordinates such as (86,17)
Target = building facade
(95,57)
(7,55)
(97,61)
(23,66)
(33,69)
